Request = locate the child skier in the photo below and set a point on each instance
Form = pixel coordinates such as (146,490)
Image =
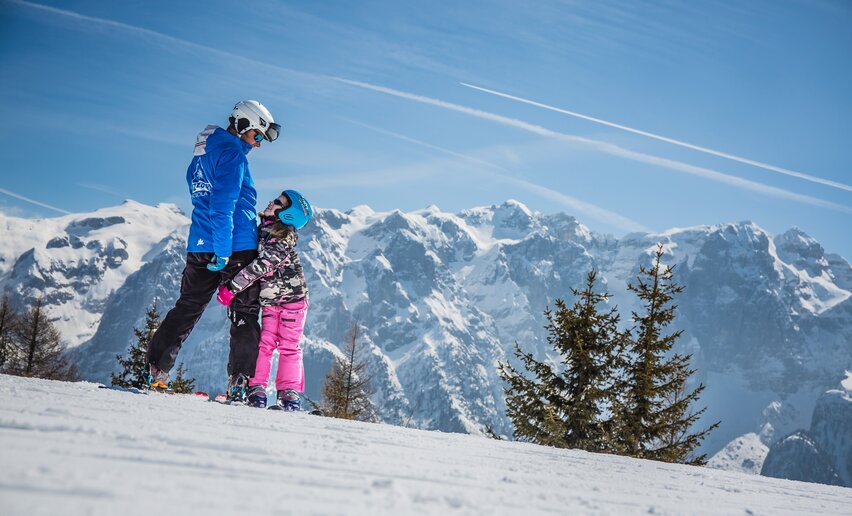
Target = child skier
(283,297)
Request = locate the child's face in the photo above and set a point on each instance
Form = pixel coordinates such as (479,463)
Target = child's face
(279,203)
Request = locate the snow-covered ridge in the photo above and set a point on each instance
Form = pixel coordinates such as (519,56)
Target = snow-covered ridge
(97,453)
(77,261)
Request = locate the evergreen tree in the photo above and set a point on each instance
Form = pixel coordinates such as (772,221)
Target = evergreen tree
(8,321)
(39,345)
(347,390)
(181,384)
(569,409)
(655,415)
(134,368)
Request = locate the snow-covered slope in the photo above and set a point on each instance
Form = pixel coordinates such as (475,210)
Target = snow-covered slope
(442,297)
(76,449)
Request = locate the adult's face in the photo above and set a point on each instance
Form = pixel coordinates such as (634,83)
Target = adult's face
(252,137)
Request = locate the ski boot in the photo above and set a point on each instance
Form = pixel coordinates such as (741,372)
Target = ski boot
(256,396)
(289,400)
(157,380)
(237,386)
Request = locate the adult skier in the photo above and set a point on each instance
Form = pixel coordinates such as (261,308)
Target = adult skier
(222,240)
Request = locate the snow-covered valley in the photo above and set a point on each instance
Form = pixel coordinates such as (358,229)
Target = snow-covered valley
(74,448)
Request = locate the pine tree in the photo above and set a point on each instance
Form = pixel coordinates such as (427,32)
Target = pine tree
(347,390)
(181,384)
(655,415)
(569,409)
(40,347)
(8,321)
(134,368)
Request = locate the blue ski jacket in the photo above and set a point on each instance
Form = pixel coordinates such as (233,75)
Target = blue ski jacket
(223,195)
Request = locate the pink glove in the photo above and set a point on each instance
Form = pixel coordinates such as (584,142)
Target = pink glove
(225,296)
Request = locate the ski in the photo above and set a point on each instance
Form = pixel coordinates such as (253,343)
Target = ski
(315,412)
(200,395)
(223,399)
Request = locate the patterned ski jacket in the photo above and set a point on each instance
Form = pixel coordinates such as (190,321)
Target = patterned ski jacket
(277,267)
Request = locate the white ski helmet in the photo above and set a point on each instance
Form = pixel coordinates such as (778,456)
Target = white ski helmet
(251,114)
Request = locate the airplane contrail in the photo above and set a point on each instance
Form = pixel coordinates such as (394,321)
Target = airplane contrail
(32,201)
(608,148)
(596,212)
(766,166)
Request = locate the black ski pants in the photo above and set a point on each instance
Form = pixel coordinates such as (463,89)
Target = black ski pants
(197,287)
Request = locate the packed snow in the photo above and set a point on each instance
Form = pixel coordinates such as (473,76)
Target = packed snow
(75,448)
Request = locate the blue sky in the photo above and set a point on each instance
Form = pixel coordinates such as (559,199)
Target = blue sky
(103,101)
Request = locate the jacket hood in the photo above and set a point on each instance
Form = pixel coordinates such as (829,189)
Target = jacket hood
(214,137)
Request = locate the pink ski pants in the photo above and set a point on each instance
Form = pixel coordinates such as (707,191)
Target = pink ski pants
(282,330)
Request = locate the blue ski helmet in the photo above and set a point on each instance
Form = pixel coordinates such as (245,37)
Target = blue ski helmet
(298,213)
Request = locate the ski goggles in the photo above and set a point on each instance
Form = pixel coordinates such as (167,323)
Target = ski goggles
(272,132)
(277,201)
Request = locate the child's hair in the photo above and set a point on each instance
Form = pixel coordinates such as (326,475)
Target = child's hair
(279,230)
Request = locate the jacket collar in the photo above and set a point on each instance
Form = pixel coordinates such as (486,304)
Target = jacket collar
(243,145)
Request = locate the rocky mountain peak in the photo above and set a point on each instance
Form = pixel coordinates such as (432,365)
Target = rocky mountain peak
(802,251)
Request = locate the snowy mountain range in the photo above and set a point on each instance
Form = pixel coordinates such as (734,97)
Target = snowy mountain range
(442,297)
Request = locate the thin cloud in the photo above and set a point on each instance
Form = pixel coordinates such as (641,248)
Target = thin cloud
(596,212)
(666,139)
(33,201)
(717,176)
(520,124)
(609,148)
(374,179)
(593,211)
(471,159)
(104,189)
(154,35)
